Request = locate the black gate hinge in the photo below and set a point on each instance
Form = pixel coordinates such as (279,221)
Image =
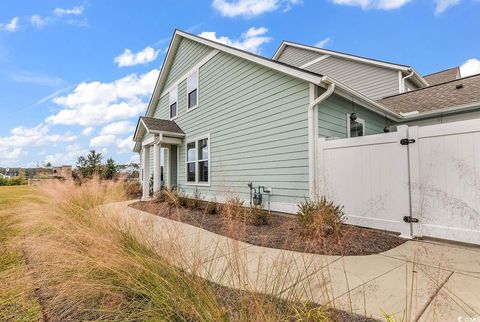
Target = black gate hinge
(407,141)
(409,219)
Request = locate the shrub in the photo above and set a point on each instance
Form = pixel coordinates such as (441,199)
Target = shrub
(258,216)
(321,217)
(172,196)
(17,181)
(233,208)
(195,201)
(210,207)
(133,189)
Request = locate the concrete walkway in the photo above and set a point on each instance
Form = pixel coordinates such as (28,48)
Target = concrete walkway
(417,281)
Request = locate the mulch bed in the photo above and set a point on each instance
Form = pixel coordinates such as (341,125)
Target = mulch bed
(282,232)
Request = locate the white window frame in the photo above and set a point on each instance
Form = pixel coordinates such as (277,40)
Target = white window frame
(198,91)
(170,103)
(195,140)
(358,120)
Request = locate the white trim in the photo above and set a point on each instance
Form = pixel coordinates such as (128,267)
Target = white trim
(188,91)
(358,120)
(316,60)
(195,140)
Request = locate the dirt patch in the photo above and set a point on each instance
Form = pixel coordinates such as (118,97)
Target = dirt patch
(283,232)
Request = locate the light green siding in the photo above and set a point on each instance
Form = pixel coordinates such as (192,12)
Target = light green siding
(257,121)
(188,54)
(332,118)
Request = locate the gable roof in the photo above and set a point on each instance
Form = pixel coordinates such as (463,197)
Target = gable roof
(174,43)
(154,125)
(460,93)
(403,68)
(443,76)
(308,76)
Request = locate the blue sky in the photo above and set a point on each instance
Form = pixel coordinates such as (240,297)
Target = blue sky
(75,75)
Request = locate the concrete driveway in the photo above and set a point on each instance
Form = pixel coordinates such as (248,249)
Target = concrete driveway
(417,281)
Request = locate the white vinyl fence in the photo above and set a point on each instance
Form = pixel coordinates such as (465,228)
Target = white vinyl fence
(429,187)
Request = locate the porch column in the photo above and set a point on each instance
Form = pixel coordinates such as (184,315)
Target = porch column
(146,172)
(166,168)
(156,167)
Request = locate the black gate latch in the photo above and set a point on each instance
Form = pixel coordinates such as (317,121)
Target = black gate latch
(407,141)
(409,219)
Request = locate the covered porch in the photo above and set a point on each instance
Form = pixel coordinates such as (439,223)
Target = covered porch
(158,143)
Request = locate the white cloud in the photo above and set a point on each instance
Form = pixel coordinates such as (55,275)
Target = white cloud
(100,103)
(117,128)
(8,154)
(470,67)
(33,137)
(102,141)
(110,140)
(88,130)
(75,11)
(127,58)
(21,76)
(250,8)
(442,5)
(373,4)
(11,26)
(125,145)
(69,156)
(322,42)
(251,40)
(38,21)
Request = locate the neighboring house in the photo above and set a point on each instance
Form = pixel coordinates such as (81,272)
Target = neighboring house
(443,76)
(220,118)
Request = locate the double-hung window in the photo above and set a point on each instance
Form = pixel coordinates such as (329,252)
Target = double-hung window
(192,90)
(173,102)
(355,126)
(198,156)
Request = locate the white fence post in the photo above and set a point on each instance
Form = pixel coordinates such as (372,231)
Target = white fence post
(414,180)
(406,228)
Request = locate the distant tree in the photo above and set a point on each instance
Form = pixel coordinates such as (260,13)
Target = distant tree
(90,165)
(48,165)
(110,169)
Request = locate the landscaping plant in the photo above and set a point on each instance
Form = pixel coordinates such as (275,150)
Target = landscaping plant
(321,217)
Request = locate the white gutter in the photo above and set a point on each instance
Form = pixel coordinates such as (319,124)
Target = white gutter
(406,77)
(313,133)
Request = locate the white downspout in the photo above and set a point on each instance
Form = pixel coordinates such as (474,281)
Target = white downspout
(403,80)
(313,135)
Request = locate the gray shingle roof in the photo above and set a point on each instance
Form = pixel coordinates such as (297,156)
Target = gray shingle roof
(443,76)
(462,91)
(154,124)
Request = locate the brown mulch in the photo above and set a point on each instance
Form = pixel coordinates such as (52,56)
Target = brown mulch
(282,232)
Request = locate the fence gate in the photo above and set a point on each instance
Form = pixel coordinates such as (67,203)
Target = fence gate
(418,181)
